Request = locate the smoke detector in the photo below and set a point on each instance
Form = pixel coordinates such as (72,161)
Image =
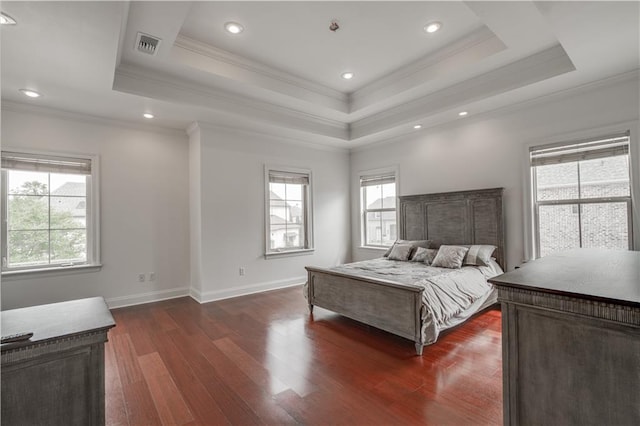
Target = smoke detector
(148,44)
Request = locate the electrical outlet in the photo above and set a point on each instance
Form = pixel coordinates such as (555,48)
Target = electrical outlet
(141,278)
(241,271)
(152,276)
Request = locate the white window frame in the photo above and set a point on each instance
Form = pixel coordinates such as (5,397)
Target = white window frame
(532,250)
(92,262)
(308,247)
(373,174)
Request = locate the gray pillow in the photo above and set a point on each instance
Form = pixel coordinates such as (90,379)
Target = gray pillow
(431,254)
(479,255)
(450,257)
(414,243)
(424,255)
(400,252)
(419,255)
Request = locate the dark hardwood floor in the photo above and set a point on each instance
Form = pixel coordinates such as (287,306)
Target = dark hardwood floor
(261,359)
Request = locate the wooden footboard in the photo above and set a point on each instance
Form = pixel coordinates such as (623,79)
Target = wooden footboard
(382,304)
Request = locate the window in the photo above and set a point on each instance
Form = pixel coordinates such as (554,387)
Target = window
(378,201)
(288,217)
(582,195)
(49,212)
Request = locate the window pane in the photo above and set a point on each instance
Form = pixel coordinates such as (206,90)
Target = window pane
(27,248)
(605,226)
(68,246)
(276,240)
(294,191)
(374,229)
(27,212)
(389,196)
(295,212)
(557,182)
(278,211)
(277,191)
(605,177)
(68,212)
(373,196)
(558,228)
(32,183)
(294,236)
(388,228)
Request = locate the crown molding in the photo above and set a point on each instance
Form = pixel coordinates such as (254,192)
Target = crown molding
(467,50)
(23,108)
(263,133)
(633,75)
(152,84)
(537,67)
(228,65)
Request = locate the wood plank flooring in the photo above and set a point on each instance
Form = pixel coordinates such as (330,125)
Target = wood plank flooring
(261,359)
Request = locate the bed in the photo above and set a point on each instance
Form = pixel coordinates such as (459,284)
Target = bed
(400,305)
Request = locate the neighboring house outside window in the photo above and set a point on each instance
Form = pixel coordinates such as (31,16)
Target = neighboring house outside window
(288,207)
(378,209)
(582,195)
(49,212)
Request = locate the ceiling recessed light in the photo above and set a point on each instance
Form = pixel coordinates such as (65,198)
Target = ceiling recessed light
(233,27)
(417,126)
(462,113)
(348,75)
(148,115)
(6,19)
(30,93)
(432,27)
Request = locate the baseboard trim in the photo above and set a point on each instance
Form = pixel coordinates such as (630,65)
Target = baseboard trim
(141,298)
(212,296)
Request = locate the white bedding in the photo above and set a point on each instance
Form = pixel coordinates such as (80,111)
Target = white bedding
(450,295)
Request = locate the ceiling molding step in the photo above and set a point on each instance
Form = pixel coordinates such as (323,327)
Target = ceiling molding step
(222,63)
(464,52)
(537,67)
(273,134)
(22,108)
(123,32)
(151,84)
(381,139)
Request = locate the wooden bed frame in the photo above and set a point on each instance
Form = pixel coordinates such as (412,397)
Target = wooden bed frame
(455,218)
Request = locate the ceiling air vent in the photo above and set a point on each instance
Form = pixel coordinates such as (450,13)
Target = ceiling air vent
(147,44)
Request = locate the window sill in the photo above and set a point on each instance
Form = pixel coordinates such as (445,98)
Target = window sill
(288,253)
(49,272)
(374,248)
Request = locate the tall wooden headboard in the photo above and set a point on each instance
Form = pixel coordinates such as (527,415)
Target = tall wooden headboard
(456,218)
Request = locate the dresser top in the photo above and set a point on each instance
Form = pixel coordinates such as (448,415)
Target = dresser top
(611,276)
(56,320)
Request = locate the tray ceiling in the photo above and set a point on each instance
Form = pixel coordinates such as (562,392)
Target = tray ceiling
(282,74)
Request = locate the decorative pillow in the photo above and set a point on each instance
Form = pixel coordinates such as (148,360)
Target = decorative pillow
(431,254)
(479,255)
(400,252)
(424,255)
(450,257)
(414,243)
(419,255)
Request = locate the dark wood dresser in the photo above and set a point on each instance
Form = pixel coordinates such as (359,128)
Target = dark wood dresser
(571,339)
(56,377)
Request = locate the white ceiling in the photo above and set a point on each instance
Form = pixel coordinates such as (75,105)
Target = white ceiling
(282,74)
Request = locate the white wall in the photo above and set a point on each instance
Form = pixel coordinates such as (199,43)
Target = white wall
(490,151)
(231,202)
(144,210)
